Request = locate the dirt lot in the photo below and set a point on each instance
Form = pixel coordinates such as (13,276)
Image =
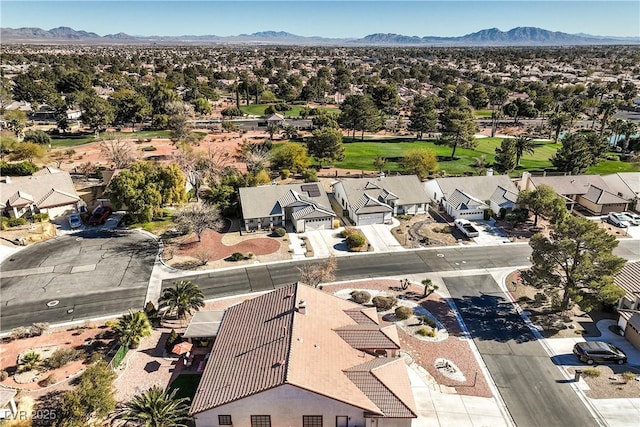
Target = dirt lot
(611,384)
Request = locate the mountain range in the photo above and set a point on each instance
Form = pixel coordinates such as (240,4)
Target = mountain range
(519,36)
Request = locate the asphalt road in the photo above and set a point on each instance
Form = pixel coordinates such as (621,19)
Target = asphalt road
(91,273)
(530,384)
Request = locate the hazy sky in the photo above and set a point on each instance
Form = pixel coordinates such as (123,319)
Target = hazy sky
(324,18)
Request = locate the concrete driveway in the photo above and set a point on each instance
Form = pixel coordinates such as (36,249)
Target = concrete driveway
(489,234)
(380,237)
(327,242)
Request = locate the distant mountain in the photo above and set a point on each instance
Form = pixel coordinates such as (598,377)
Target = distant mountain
(520,36)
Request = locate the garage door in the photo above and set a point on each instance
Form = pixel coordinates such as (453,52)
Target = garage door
(317,224)
(368,219)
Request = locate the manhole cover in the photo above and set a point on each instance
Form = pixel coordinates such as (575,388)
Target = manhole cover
(441,255)
(53,303)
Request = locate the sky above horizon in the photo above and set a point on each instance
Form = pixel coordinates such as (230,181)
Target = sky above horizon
(324,17)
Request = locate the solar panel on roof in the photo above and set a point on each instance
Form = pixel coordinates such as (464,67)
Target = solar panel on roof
(311,189)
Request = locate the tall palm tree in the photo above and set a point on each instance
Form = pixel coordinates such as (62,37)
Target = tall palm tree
(182,299)
(524,144)
(155,408)
(607,109)
(132,327)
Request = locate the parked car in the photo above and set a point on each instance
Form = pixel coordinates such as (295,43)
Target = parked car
(75,221)
(598,351)
(633,218)
(100,215)
(617,219)
(466,227)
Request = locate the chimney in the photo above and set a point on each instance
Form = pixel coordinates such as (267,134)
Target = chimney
(302,307)
(489,172)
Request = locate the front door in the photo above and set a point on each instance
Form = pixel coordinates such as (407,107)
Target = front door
(342,421)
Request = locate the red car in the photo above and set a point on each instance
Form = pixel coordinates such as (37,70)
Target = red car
(100,215)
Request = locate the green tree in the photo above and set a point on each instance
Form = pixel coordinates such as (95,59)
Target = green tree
(478,97)
(325,145)
(424,117)
(458,128)
(132,327)
(156,408)
(524,144)
(92,399)
(97,113)
(505,160)
(543,201)
(577,261)
(420,161)
(606,110)
(16,121)
(290,156)
(182,299)
(578,152)
(359,113)
(130,107)
(202,106)
(385,97)
(27,151)
(558,122)
(231,112)
(379,162)
(145,187)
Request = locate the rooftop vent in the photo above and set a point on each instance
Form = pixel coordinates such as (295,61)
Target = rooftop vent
(302,307)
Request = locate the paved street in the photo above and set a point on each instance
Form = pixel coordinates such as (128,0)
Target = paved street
(530,384)
(91,273)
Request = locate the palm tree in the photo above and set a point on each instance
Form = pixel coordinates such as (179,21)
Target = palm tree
(184,298)
(29,361)
(156,408)
(132,327)
(524,144)
(607,109)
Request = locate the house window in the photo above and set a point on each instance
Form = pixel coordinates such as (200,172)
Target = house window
(312,421)
(224,420)
(260,420)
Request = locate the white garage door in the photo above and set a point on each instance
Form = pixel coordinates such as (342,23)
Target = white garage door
(368,219)
(317,224)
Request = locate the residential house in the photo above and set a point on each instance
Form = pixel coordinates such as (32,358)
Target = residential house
(469,197)
(305,207)
(587,192)
(299,356)
(276,119)
(49,190)
(374,200)
(627,186)
(629,305)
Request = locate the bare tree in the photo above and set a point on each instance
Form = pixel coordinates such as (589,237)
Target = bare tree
(60,156)
(179,115)
(257,158)
(198,217)
(203,255)
(200,166)
(314,274)
(117,150)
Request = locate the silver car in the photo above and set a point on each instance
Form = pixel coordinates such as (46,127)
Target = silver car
(75,221)
(633,218)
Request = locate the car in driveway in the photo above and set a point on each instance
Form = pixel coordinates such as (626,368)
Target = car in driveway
(590,352)
(618,220)
(99,215)
(633,218)
(75,221)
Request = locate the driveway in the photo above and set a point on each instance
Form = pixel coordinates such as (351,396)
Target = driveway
(380,237)
(327,242)
(489,234)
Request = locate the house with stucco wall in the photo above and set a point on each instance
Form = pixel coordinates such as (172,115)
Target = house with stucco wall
(629,306)
(298,356)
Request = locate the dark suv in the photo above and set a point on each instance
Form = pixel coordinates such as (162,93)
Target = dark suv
(598,351)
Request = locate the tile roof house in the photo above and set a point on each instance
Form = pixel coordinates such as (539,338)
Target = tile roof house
(589,192)
(49,190)
(305,207)
(299,356)
(469,197)
(374,200)
(627,186)
(629,305)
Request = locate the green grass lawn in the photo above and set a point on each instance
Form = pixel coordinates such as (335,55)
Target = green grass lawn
(158,226)
(72,140)
(483,113)
(187,384)
(258,110)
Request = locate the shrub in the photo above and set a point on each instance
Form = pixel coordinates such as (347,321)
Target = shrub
(15,222)
(384,303)
(336,223)
(29,361)
(236,256)
(404,312)
(49,380)
(426,332)
(40,217)
(18,169)
(279,232)
(355,241)
(37,136)
(149,148)
(591,372)
(3,375)
(310,175)
(361,297)
(94,357)
(445,229)
(285,173)
(19,332)
(39,328)
(628,376)
(62,356)
(425,320)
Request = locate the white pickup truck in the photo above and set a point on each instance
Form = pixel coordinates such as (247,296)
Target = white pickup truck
(466,227)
